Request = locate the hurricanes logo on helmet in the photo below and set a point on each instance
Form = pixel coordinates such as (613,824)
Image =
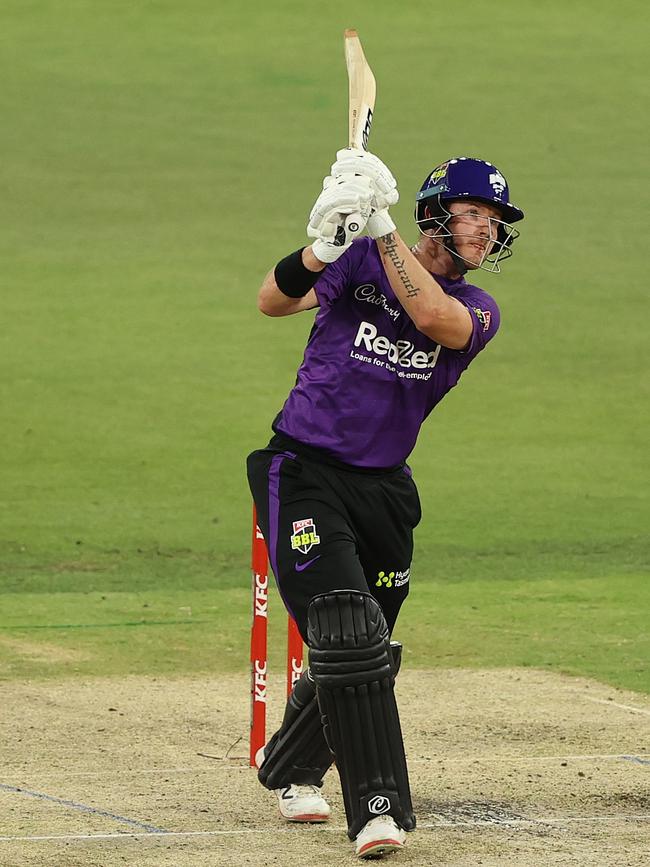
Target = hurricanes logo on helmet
(498,183)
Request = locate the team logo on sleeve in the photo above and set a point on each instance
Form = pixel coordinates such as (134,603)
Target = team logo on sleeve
(304,535)
(483,316)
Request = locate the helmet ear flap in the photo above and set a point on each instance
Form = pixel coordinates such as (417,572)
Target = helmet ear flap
(429,211)
(506,234)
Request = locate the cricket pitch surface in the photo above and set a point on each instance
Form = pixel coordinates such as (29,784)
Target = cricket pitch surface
(519,767)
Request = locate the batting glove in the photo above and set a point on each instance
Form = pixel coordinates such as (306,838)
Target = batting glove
(380,223)
(339,215)
(363,163)
(360,162)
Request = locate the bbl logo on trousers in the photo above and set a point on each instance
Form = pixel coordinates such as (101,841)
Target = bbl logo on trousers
(304,535)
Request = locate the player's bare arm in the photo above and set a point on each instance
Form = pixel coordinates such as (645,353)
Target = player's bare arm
(273,302)
(339,215)
(436,314)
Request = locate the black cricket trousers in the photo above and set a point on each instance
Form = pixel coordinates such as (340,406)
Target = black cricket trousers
(331,526)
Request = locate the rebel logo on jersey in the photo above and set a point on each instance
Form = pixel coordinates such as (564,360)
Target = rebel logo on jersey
(304,535)
(402,353)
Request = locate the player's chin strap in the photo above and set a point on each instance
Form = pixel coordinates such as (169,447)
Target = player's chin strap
(458,260)
(450,246)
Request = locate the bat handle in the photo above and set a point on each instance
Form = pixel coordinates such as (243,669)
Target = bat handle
(354,226)
(354,223)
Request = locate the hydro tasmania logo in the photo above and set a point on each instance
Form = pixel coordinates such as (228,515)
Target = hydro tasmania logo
(392,579)
(384,353)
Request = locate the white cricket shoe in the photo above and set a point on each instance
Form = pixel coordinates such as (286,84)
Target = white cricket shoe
(299,803)
(379,837)
(302,804)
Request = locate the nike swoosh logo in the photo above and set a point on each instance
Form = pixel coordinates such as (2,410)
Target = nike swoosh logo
(301,566)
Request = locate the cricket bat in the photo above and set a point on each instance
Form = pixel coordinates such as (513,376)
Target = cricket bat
(362,89)
(362,93)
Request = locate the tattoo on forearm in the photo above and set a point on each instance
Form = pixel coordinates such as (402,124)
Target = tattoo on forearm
(390,248)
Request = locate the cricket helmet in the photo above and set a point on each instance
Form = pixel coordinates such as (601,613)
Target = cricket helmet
(466,178)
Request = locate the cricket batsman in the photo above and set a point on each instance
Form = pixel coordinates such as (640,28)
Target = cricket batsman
(395,328)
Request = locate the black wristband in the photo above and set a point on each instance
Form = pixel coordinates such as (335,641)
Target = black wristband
(291,276)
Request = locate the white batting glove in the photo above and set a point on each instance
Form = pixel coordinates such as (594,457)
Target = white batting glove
(366,164)
(360,162)
(339,215)
(380,223)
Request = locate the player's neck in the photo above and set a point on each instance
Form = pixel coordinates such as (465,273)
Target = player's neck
(435,259)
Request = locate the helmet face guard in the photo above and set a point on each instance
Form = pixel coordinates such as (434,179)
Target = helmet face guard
(474,180)
(438,228)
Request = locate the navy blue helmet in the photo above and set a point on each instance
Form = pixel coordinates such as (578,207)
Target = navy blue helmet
(466,178)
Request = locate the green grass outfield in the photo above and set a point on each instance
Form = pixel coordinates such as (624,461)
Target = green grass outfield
(156,160)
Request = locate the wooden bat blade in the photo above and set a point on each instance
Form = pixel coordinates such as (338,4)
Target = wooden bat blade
(363,91)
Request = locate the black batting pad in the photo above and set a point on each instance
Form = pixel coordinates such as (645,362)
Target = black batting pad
(351,663)
(297,752)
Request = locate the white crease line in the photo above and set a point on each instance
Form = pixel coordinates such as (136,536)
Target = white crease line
(429,826)
(523,759)
(609,703)
(61,773)
(227,765)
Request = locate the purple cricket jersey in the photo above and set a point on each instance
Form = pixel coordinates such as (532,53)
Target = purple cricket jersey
(369,378)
